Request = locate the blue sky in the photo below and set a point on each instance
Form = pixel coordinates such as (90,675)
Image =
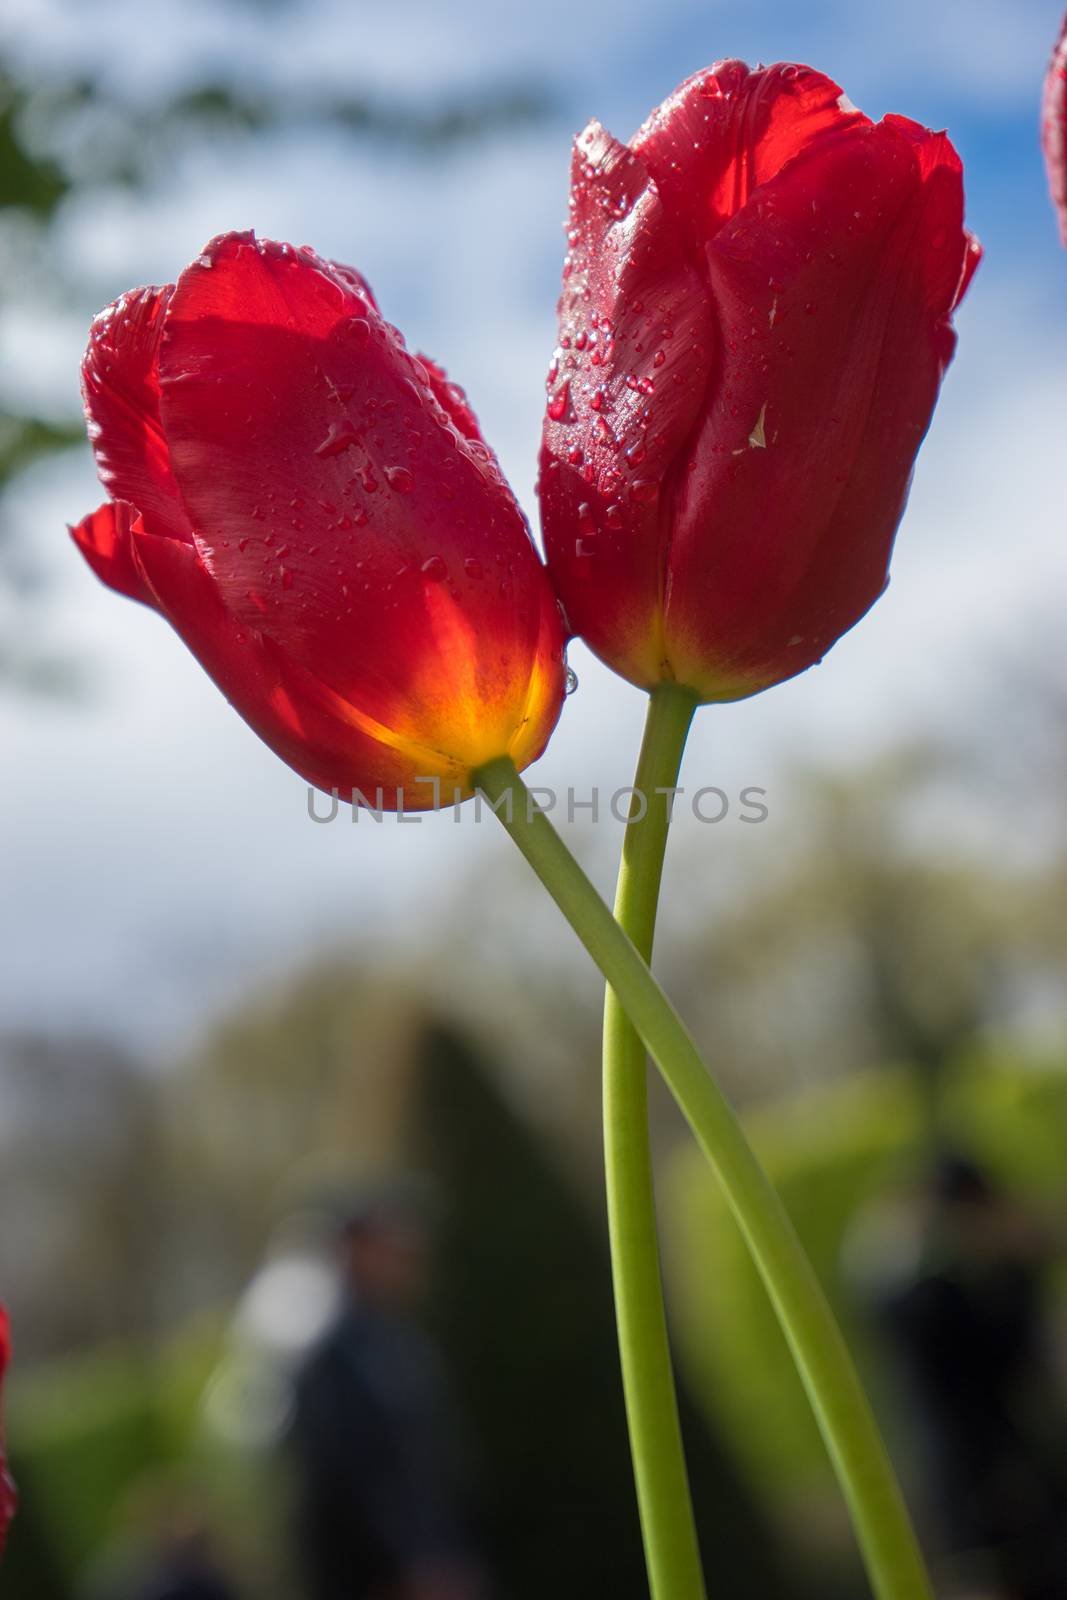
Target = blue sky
(165,857)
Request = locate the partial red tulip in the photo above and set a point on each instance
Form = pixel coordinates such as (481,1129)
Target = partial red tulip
(754,324)
(1054,128)
(314,510)
(8,1496)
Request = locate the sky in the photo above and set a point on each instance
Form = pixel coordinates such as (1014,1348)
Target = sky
(159,861)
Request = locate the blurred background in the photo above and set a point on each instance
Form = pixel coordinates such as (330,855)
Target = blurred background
(230,1037)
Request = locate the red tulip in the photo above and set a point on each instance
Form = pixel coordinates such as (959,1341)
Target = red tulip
(1054,128)
(755,320)
(8,1497)
(315,512)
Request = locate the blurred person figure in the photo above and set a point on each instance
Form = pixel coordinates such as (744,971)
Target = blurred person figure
(967,1322)
(383,1499)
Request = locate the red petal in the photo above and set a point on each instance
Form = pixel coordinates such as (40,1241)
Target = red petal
(834,288)
(120,386)
(1054,128)
(629,377)
(339,510)
(729,129)
(323,738)
(351,277)
(105,540)
(8,1495)
(452,400)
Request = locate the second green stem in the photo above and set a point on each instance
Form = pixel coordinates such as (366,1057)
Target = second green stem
(671,1550)
(880,1517)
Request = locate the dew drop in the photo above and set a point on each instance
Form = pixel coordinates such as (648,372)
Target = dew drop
(644,490)
(557,405)
(400,479)
(570,681)
(473,568)
(340,437)
(434,568)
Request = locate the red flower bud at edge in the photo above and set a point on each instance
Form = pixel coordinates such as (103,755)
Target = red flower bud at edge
(8,1496)
(755,321)
(1054,128)
(315,512)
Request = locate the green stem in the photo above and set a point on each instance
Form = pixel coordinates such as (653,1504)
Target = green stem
(672,1553)
(885,1535)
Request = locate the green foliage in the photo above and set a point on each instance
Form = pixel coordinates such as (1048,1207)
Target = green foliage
(95,1427)
(82,1432)
(28,181)
(830,1153)
(24,439)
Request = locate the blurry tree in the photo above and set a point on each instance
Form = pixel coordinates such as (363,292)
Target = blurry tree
(80,1193)
(524,1313)
(284,1097)
(871,939)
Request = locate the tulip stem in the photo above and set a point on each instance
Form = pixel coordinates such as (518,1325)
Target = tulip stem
(672,1553)
(865,1473)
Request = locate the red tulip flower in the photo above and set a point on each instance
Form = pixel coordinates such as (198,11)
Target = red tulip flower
(1054,128)
(8,1497)
(755,320)
(314,510)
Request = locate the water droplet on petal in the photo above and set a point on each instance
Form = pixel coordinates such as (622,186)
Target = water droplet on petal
(570,681)
(644,490)
(557,405)
(341,436)
(400,479)
(434,568)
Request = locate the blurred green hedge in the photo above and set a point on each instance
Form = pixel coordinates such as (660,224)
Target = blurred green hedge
(832,1152)
(82,1431)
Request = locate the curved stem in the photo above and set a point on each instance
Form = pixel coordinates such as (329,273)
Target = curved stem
(894,1562)
(672,1553)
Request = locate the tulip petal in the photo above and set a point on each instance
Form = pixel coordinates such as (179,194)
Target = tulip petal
(725,131)
(834,288)
(339,510)
(105,539)
(325,739)
(353,278)
(452,399)
(1054,128)
(120,387)
(628,381)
